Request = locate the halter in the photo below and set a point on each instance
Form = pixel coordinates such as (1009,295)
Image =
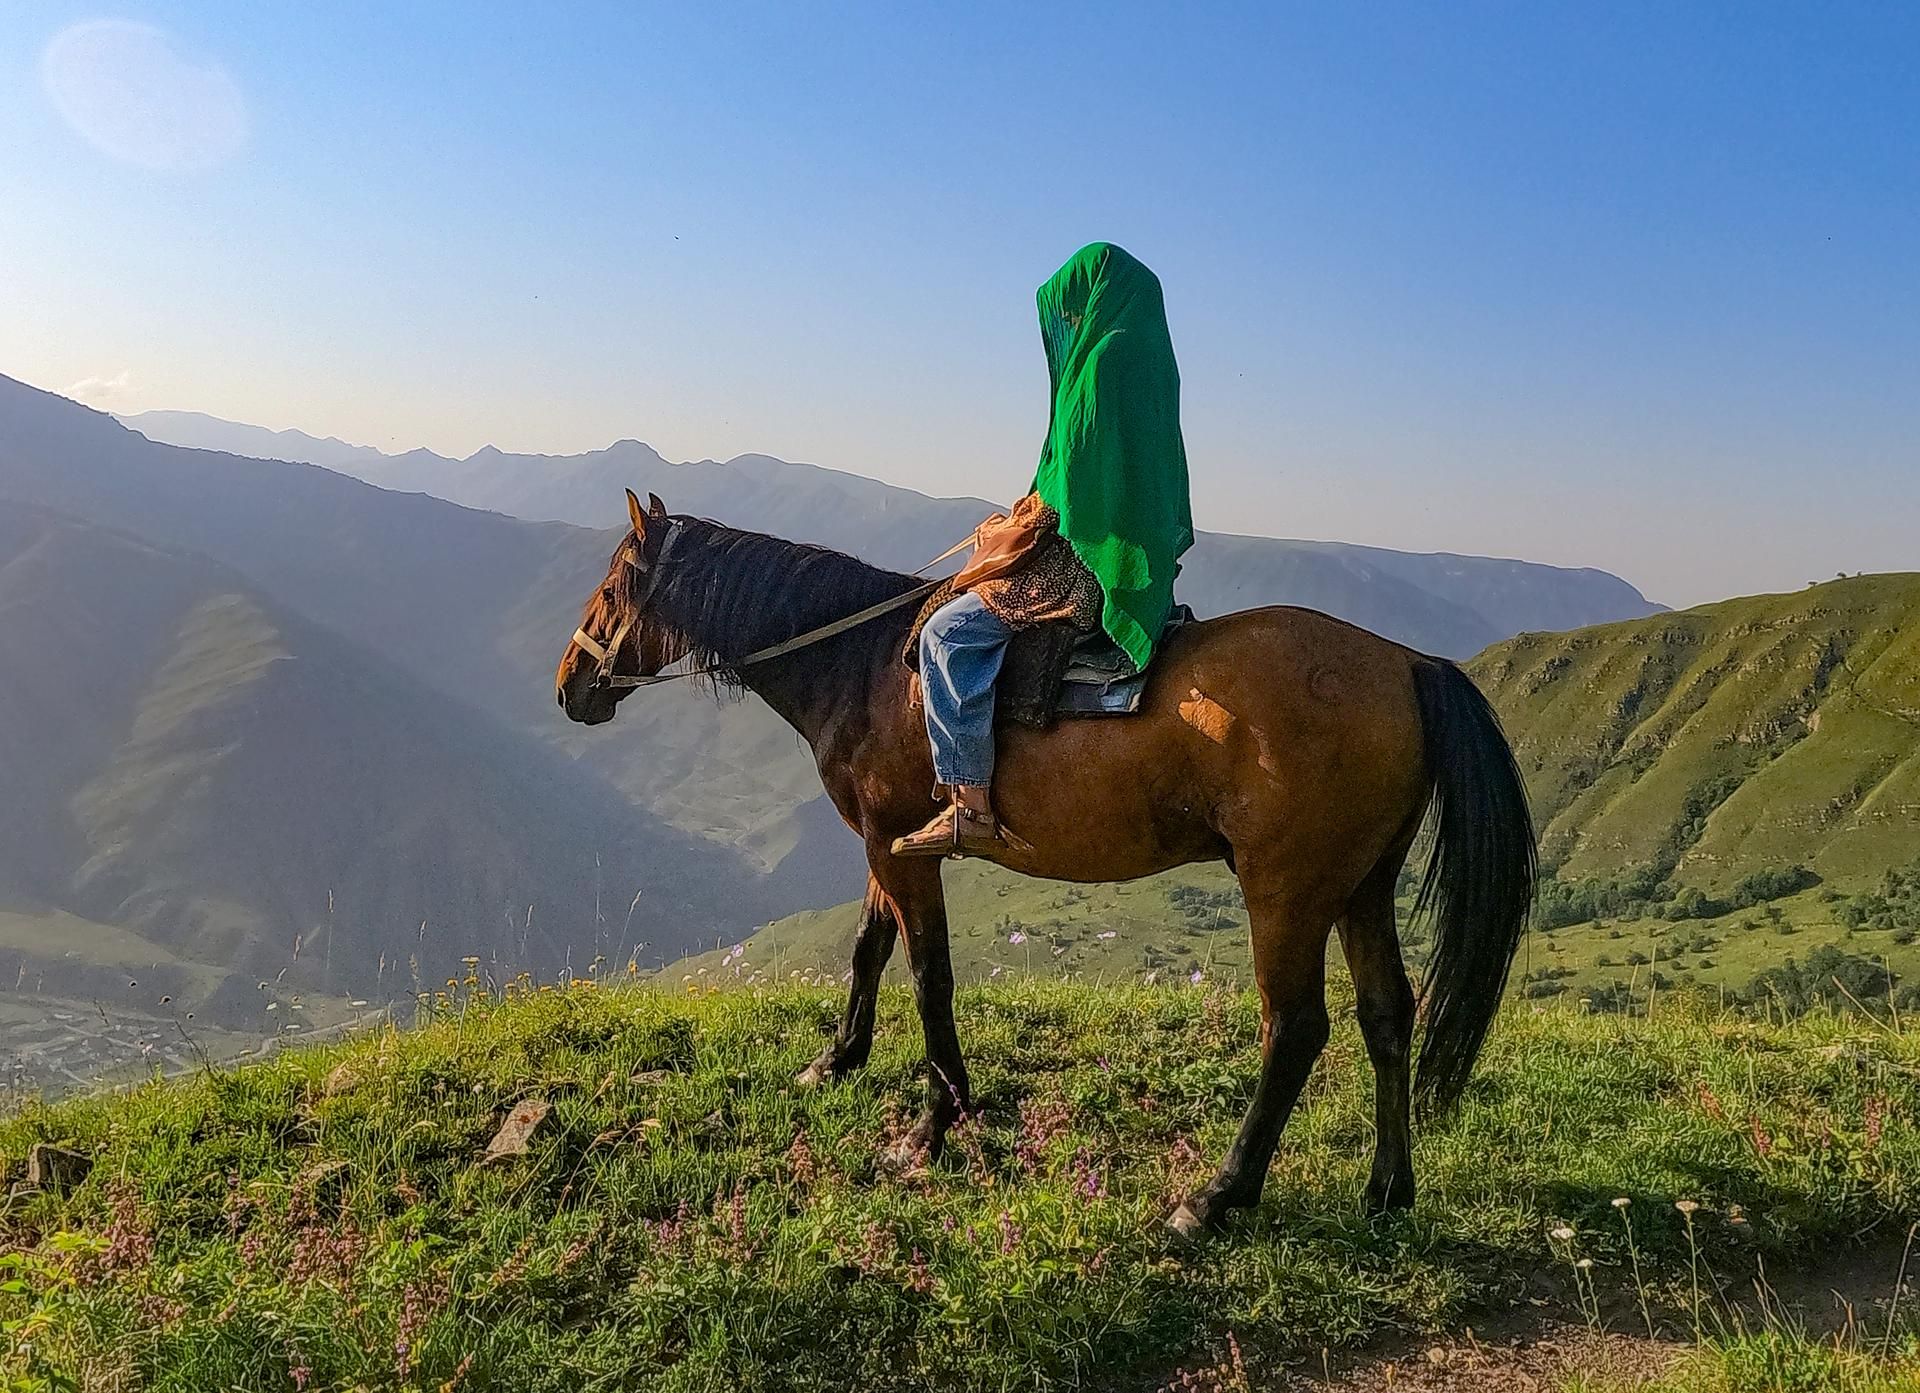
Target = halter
(608,653)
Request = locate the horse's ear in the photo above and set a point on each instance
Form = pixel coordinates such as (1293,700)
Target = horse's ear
(655,508)
(634,512)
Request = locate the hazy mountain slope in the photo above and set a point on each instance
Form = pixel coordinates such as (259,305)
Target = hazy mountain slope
(191,763)
(476,604)
(1761,731)
(199,431)
(1443,603)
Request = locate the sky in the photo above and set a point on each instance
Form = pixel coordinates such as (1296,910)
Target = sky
(1629,286)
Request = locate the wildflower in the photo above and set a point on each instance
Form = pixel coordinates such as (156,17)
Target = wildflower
(1562,1234)
(1585,1264)
(1710,1104)
(800,1160)
(1687,1207)
(1876,1117)
(1041,1120)
(1622,1202)
(1197,977)
(1016,938)
(1010,1234)
(876,1248)
(300,1374)
(1762,1140)
(420,1301)
(129,1240)
(1105,935)
(919,1276)
(1088,1180)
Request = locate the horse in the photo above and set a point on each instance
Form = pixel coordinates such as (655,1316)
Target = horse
(1304,752)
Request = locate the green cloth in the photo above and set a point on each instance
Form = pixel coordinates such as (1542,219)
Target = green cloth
(1114,466)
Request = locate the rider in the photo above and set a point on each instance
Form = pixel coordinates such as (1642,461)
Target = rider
(1096,541)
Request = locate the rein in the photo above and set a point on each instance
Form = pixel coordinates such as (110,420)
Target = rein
(608,653)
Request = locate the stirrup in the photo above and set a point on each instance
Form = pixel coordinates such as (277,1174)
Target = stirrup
(958,832)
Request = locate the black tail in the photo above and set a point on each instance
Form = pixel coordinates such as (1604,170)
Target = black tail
(1480,875)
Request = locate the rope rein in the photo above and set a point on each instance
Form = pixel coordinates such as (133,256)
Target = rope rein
(608,653)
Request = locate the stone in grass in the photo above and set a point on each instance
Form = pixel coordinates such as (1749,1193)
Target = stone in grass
(55,1168)
(344,1079)
(512,1138)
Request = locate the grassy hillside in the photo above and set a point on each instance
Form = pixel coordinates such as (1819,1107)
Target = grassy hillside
(1767,731)
(683,1220)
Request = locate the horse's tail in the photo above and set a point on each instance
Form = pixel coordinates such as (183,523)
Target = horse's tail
(1479,879)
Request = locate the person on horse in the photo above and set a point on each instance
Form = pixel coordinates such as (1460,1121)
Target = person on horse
(1095,542)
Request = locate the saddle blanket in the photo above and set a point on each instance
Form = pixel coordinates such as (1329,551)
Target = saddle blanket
(1054,670)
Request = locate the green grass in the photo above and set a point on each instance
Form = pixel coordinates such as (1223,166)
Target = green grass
(1780,1357)
(325,1212)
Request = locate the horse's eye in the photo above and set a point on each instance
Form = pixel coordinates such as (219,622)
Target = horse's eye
(606,593)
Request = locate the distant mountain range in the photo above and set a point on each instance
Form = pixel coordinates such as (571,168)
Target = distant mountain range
(235,688)
(1439,602)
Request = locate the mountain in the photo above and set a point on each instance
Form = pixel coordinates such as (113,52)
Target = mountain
(1442,603)
(237,790)
(1759,732)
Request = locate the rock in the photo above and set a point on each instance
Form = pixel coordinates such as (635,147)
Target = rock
(646,1078)
(511,1140)
(344,1079)
(323,1179)
(56,1168)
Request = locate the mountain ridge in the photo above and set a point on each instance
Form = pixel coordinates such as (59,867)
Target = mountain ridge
(1451,602)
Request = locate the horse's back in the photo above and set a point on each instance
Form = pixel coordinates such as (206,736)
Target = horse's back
(1261,726)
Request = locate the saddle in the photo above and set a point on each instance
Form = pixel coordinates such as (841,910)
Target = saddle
(1054,670)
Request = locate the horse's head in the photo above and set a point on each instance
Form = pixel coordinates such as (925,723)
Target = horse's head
(616,638)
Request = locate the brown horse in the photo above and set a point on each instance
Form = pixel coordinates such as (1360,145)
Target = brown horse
(1300,750)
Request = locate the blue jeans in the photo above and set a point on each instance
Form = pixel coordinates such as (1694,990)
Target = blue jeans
(961,648)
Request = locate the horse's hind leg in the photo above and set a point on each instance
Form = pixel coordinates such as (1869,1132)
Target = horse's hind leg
(1385,1001)
(850,1046)
(1289,962)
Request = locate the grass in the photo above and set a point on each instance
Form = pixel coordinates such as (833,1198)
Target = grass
(683,1220)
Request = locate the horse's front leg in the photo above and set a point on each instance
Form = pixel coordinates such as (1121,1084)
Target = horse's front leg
(914,886)
(850,1046)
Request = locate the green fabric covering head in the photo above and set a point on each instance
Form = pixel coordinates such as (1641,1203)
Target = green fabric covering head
(1114,466)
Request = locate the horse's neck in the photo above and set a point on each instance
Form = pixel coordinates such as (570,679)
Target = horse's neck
(820,684)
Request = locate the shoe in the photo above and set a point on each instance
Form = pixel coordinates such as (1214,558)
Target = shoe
(958,831)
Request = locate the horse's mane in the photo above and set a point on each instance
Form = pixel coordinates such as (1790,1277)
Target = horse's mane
(723,593)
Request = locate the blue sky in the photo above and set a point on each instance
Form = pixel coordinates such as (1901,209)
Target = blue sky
(1627,286)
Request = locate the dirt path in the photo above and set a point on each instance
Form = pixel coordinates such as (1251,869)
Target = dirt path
(1546,1343)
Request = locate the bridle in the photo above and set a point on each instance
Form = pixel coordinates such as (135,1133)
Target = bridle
(607,654)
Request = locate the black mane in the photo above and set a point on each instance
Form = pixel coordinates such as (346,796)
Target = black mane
(722,594)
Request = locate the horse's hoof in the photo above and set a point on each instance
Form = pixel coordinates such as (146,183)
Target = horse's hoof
(813,1076)
(1186,1226)
(1395,1197)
